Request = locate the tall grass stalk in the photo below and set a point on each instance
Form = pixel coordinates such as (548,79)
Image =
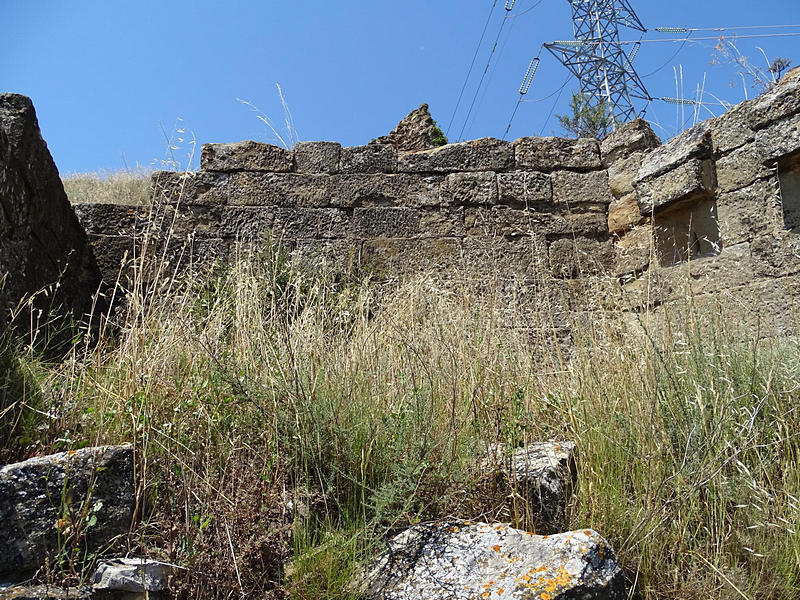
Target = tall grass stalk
(289,417)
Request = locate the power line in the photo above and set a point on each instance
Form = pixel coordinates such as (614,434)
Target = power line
(685,29)
(472,64)
(508,7)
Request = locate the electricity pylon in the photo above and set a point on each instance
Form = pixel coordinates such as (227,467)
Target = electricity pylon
(606,74)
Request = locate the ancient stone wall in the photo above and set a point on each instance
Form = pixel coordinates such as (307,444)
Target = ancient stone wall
(717,209)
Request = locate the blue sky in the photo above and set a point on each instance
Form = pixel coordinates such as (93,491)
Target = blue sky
(112,80)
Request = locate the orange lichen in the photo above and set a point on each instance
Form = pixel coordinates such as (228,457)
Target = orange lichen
(496,548)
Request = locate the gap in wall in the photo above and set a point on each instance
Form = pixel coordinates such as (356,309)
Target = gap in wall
(789,178)
(687,231)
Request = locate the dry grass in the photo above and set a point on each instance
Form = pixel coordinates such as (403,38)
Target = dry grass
(260,382)
(128,187)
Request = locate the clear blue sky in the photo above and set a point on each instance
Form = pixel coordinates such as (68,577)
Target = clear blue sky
(110,77)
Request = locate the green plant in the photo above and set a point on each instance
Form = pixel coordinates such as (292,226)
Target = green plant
(587,118)
(438,136)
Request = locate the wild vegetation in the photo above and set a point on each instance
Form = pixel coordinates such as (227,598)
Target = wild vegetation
(283,415)
(128,187)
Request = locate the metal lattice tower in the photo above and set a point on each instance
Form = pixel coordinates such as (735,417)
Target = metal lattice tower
(596,57)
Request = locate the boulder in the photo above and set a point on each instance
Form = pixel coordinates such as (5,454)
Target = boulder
(131,575)
(542,473)
(42,244)
(476,560)
(82,498)
(415,132)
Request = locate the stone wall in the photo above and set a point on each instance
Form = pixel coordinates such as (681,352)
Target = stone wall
(717,209)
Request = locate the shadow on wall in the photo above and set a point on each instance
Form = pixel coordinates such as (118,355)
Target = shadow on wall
(686,232)
(789,177)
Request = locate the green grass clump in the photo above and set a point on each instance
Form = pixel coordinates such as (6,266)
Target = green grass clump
(286,417)
(128,187)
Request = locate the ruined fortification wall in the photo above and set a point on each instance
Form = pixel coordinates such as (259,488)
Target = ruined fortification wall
(716,209)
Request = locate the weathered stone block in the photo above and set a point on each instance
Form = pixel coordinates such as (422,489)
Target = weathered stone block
(730,130)
(523,188)
(634,137)
(431,561)
(445,222)
(551,154)
(246,156)
(749,212)
(417,131)
(317,157)
(571,188)
(386,222)
(575,256)
(281,189)
(44,499)
(633,251)
(302,223)
(411,191)
(196,188)
(110,219)
(622,174)
(372,158)
(776,255)
(774,105)
(779,139)
(693,143)
(624,214)
(688,180)
(486,154)
(131,575)
(502,220)
(741,168)
(398,257)
(246,223)
(589,221)
(336,254)
(469,189)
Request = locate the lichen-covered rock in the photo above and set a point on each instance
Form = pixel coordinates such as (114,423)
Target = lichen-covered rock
(42,244)
(693,179)
(416,131)
(635,136)
(548,154)
(83,498)
(465,560)
(246,156)
(486,154)
(779,139)
(131,575)
(469,188)
(542,473)
(45,592)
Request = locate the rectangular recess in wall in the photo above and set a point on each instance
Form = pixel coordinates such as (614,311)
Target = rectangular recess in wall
(789,178)
(686,231)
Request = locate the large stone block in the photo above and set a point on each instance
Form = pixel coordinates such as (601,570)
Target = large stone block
(401,257)
(590,221)
(303,223)
(776,255)
(624,214)
(571,188)
(372,158)
(551,154)
(692,179)
(573,257)
(42,242)
(486,154)
(749,212)
(741,168)
(623,173)
(444,222)
(776,104)
(246,156)
(780,139)
(278,189)
(386,222)
(634,137)
(633,251)
(524,188)
(731,130)
(317,157)
(197,188)
(246,223)
(84,497)
(432,561)
(460,189)
(111,219)
(336,254)
(411,191)
(694,143)
(501,220)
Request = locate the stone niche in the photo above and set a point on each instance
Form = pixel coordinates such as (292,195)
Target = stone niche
(686,231)
(789,177)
